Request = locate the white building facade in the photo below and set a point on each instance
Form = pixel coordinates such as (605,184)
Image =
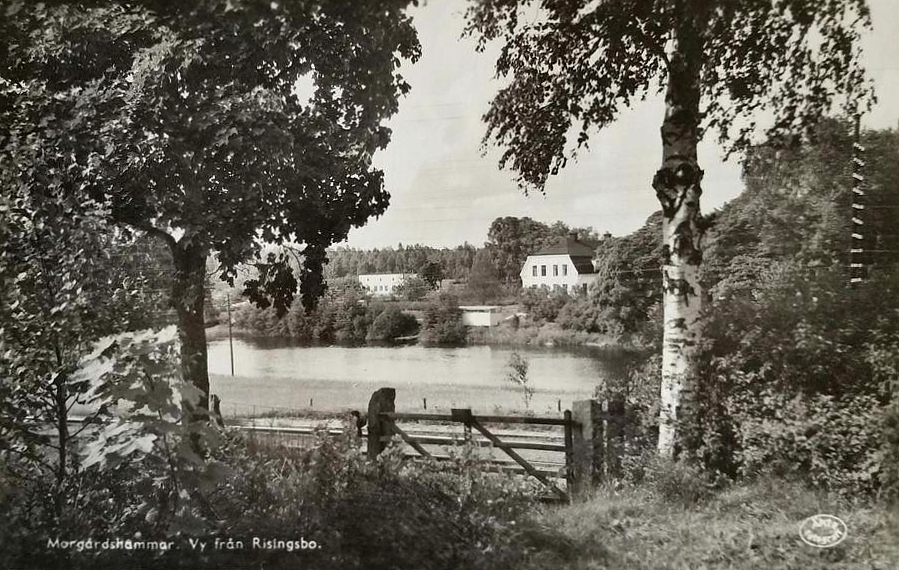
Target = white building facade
(384,284)
(566,265)
(481,315)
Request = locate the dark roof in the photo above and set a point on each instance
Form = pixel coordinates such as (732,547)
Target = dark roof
(569,245)
(583,265)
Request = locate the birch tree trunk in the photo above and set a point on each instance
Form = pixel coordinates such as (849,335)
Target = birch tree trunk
(677,185)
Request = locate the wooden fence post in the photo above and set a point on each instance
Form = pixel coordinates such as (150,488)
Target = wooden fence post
(587,446)
(463,415)
(383,400)
(614,432)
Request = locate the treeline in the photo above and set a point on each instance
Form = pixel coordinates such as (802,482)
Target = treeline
(342,315)
(455,263)
(509,241)
(795,211)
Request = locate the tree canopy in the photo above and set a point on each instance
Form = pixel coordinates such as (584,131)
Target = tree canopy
(213,125)
(574,65)
(223,121)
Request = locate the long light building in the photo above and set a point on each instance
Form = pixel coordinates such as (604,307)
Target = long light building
(384,284)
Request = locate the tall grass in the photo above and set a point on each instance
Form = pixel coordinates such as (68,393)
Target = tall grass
(752,526)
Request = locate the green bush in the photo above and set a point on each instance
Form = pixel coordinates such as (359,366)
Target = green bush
(443,322)
(390,324)
(388,513)
(543,306)
(800,377)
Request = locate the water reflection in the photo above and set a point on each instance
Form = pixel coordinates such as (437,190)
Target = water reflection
(275,372)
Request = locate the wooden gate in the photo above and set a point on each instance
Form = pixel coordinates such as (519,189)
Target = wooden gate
(382,428)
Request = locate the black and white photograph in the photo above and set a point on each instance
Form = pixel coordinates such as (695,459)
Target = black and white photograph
(449,285)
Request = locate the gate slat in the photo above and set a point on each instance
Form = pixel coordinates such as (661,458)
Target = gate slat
(518,459)
(415,445)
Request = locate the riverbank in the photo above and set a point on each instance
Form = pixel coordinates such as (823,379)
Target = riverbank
(548,335)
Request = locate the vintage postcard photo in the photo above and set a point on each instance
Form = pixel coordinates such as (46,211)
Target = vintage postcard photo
(449,284)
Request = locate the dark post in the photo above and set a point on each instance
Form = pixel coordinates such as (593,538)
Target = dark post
(569,454)
(383,400)
(463,415)
(614,446)
(588,441)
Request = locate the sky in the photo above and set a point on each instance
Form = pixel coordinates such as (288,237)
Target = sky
(445,191)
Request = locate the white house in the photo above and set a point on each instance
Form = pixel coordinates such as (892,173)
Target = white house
(566,265)
(481,315)
(383,284)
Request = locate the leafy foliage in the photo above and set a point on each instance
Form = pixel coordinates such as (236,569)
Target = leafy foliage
(443,322)
(137,376)
(432,272)
(212,126)
(385,513)
(412,288)
(390,324)
(483,282)
(134,472)
(518,375)
(577,65)
(543,306)
(455,263)
(66,279)
(799,381)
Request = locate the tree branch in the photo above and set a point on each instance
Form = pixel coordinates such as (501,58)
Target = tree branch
(87,422)
(651,45)
(163,235)
(149,229)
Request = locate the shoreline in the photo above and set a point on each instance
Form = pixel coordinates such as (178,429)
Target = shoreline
(535,337)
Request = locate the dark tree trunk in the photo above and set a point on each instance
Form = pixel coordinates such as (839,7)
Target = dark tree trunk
(61,397)
(677,185)
(188,297)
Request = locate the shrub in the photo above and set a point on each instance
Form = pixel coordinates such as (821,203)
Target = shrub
(680,482)
(443,322)
(412,289)
(800,377)
(543,306)
(387,513)
(390,324)
(518,375)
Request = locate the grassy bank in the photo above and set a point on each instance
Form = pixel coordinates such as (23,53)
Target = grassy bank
(549,334)
(745,527)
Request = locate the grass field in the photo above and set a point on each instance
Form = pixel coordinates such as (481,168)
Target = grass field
(745,527)
(265,395)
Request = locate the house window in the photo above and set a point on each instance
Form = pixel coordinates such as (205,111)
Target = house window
(565,269)
(534,270)
(542,271)
(555,270)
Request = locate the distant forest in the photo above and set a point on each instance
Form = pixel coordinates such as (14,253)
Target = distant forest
(510,241)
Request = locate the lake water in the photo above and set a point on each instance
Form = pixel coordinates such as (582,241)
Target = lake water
(278,375)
